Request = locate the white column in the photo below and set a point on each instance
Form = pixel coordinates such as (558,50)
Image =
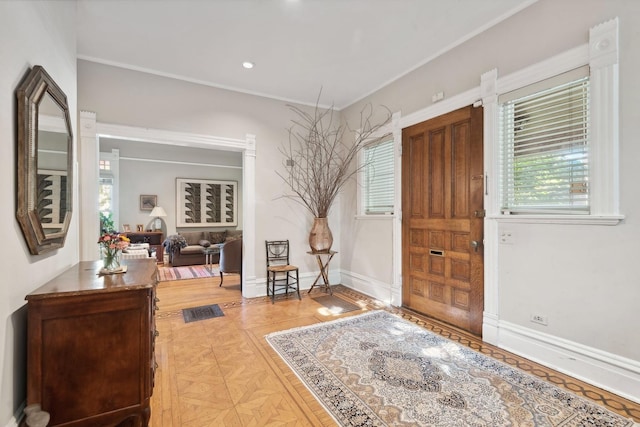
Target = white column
(396,285)
(249,287)
(491,315)
(88,174)
(604,141)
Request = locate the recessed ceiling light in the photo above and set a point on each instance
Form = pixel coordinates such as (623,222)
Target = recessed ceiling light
(247,64)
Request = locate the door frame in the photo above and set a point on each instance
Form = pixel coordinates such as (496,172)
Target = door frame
(485,94)
(90,132)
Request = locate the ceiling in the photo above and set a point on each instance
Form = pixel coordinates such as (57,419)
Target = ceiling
(346,48)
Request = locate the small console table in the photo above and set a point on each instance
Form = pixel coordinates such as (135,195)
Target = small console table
(323,259)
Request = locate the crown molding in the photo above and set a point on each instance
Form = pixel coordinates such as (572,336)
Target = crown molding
(158,136)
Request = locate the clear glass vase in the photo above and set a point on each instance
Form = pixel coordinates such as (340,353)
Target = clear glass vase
(111,260)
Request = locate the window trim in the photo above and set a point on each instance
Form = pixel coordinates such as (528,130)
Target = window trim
(601,54)
(570,96)
(114,172)
(394,131)
(365,183)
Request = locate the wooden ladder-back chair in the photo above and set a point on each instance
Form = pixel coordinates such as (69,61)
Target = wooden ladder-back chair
(280,274)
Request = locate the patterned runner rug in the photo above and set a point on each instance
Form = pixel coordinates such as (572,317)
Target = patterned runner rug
(187,272)
(376,369)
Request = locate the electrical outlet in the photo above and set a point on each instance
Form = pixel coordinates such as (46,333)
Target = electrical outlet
(507,238)
(538,318)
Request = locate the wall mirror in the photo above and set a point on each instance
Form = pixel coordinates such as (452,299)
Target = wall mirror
(45,162)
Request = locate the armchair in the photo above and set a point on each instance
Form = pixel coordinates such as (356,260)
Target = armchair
(231,259)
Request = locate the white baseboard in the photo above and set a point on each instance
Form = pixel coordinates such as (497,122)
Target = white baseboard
(257,287)
(367,285)
(17,417)
(250,287)
(490,328)
(617,374)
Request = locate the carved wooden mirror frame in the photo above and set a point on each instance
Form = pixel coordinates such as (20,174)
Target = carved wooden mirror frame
(44,162)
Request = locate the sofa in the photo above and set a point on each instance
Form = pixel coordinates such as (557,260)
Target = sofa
(187,247)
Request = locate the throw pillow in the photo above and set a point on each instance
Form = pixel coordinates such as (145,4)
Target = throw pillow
(192,237)
(234,235)
(204,243)
(217,237)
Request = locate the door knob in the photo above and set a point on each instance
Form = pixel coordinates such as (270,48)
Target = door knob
(475,245)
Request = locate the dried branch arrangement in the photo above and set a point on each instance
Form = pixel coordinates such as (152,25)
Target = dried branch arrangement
(317,160)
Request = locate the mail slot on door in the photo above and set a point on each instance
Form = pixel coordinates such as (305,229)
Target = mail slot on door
(436,252)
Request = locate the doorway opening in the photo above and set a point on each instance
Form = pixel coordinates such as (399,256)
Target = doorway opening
(92,132)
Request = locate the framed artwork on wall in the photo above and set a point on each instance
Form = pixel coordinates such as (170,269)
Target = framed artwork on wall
(206,203)
(148,202)
(51,199)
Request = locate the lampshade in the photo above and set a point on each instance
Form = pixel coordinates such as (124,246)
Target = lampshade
(158,212)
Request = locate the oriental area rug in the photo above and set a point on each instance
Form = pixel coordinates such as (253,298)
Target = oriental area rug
(376,369)
(188,272)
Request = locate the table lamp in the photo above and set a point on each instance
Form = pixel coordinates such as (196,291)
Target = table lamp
(158,213)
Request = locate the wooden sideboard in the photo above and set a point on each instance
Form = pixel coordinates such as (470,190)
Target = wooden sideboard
(153,238)
(90,354)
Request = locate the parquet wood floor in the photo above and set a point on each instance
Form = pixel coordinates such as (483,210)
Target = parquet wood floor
(222,372)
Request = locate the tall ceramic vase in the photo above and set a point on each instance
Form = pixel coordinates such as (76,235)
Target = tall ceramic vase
(320,237)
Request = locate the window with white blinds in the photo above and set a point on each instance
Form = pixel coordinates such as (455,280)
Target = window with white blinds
(545,150)
(378,192)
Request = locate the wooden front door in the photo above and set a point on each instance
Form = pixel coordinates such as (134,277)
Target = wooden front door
(442,224)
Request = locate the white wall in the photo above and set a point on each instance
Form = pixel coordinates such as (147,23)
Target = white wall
(31,33)
(581,277)
(595,307)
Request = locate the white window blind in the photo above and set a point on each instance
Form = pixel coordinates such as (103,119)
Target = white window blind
(378,178)
(545,150)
